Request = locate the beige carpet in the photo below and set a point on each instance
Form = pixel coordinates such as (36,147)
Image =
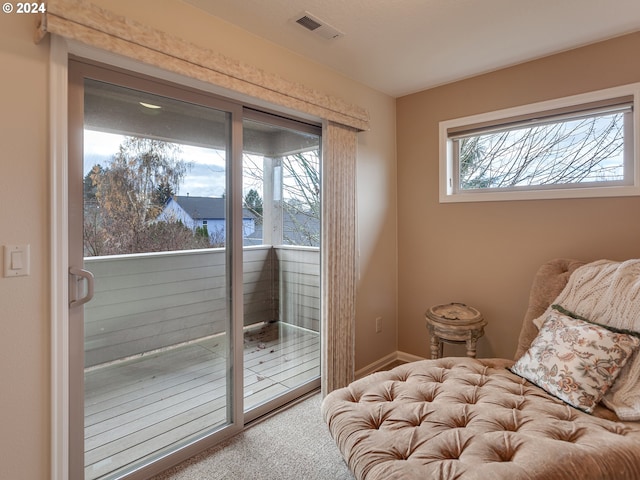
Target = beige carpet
(293,445)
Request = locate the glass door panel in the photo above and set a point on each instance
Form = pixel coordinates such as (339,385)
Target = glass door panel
(281,189)
(156,237)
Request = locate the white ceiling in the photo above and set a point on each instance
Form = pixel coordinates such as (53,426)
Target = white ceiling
(403,46)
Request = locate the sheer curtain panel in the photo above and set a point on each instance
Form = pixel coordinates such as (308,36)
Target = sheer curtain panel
(338,255)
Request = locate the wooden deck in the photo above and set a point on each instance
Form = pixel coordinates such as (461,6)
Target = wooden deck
(136,408)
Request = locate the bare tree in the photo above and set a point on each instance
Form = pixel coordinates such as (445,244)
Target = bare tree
(123,199)
(300,195)
(301,192)
(567,152)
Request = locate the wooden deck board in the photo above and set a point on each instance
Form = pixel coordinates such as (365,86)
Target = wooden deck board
(138,407)
(100,400)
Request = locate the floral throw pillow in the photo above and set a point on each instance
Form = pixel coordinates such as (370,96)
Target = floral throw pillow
(575,360)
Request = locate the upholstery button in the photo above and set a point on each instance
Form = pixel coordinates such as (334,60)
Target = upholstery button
(616,429)
(460,422)
(516,403)
(375,423)
(505,456)
(471,397)
(565,432)
(482,381)
(509,424)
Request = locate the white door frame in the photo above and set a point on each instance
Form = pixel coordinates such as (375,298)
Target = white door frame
(58,84)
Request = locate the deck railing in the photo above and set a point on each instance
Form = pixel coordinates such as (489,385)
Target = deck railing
(144,302)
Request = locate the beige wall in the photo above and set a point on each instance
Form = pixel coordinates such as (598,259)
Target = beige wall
(24,215)
(24,324)
(485,254)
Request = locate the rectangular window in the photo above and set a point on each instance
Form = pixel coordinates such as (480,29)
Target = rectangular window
(581,146)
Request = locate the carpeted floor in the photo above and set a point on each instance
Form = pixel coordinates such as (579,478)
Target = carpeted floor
(293,445)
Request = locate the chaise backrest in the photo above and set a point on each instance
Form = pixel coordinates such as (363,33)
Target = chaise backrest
(548,282)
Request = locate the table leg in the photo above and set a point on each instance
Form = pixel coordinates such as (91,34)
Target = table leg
(436,347)
(471,347)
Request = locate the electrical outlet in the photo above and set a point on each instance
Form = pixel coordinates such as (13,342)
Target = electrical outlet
(378,324)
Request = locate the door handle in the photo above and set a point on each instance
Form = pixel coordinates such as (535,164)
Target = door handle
(78,274)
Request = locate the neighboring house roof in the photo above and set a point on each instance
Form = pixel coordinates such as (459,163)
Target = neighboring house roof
(202,207)
(199,208)
(299,228)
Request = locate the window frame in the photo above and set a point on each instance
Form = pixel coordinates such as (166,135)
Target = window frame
(449,171)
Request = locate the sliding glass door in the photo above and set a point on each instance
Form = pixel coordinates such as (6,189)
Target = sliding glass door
(194,260)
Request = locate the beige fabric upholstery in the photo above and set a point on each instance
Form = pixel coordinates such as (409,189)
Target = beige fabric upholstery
(465,418)
(547,285)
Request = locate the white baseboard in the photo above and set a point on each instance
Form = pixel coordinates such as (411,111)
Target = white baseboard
(386,360)
(408,357)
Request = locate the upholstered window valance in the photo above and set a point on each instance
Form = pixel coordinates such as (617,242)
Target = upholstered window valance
(89,24)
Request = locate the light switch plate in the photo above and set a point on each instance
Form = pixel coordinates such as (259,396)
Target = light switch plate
(16,260)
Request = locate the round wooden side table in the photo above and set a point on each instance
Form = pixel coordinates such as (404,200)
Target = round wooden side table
(454,323)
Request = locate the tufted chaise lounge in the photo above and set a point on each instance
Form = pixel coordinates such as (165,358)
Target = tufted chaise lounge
(464,418)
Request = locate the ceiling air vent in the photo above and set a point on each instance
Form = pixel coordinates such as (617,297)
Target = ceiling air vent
(317,26)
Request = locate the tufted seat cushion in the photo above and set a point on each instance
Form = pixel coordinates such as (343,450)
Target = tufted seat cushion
(472,419)
(464,418)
